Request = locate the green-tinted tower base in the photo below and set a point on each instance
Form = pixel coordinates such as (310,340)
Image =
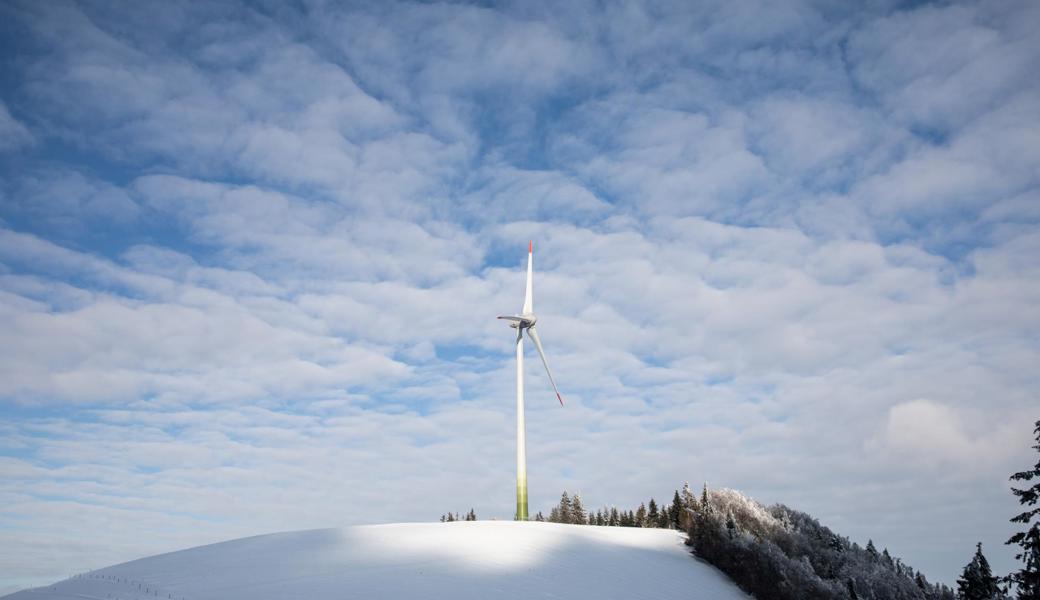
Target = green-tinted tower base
(521,501)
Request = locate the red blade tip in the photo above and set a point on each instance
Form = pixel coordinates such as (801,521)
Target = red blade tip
(530,247)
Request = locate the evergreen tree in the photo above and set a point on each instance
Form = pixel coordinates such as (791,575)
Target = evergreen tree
(615,519)
(577,511)
(665,520)
(676,510)
(653,516)
(539,516)
(565,508)
(443,518)
(640,518)
(921,582)
(1027,579)
(977,581)
(872,551)
(554,515)
(471,515)
(704,507)
(689,504)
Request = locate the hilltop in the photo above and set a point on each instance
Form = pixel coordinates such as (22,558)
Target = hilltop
(478,560)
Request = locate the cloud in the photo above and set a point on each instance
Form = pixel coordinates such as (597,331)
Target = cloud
(13,134)
(930,433)
(251,260)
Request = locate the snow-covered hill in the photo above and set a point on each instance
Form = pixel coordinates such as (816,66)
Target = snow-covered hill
(479,560)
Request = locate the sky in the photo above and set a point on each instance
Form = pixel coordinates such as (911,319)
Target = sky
(251,257)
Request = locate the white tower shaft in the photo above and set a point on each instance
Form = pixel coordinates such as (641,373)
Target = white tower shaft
(521,432)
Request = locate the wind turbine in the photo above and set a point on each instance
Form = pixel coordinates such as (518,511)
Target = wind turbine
(525,321)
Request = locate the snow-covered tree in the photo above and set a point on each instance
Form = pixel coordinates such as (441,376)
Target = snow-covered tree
(577,511)
(640,519)
(564,508)
(1027,579)
(872,551)
(977,581)
(689,504)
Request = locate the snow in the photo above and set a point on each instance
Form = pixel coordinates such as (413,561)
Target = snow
(482,559)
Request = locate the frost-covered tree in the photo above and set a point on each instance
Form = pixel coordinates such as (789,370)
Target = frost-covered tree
(689,504)
(977,581)
(777,553)
(872,551)
(1027,579)
(652,514)
(577,511)
(640,519)
(563,509)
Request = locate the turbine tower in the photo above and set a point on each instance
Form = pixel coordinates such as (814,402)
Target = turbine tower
(525,321)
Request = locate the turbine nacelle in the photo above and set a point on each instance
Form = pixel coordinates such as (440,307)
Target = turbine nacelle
(521,321)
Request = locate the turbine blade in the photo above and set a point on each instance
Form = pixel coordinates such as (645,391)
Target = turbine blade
(517,318)
(528,300)
(538,344)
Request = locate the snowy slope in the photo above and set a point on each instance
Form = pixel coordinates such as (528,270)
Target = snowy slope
(478,560)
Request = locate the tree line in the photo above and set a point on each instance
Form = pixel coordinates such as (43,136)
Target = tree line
(778,553)
(570,509)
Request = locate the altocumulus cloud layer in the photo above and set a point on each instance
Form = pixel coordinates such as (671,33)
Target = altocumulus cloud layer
(250,259)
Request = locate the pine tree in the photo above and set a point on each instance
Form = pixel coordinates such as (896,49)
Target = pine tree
(615,519)
(872,551)
(665,520)
(577,511)
(640,518)
(653,516)
(1027,579)
(977,581)
(689,504)
(565,508)
(471,515)
(676,511)
(921,582)
(539,517)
